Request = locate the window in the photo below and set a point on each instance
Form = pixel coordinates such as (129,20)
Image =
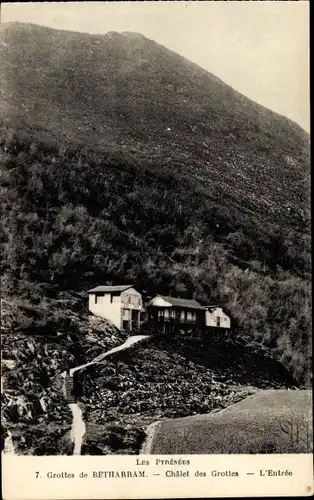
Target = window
(116,299)
(99,299)
(218,321)
(166,313)
(191,316)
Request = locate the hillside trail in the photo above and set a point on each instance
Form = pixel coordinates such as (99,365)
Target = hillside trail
(126,345)
(78,428)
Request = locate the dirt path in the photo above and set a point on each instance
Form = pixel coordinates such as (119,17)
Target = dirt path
(148,442)
(78,428)
(126,345)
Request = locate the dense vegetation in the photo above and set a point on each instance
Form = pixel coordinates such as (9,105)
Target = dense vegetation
(123,162)
(72,219)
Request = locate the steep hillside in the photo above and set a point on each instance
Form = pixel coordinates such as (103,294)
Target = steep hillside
(123,92)
(123,162)
(121,397)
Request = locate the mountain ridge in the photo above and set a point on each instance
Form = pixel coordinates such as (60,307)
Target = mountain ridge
(162,107)
(135,35)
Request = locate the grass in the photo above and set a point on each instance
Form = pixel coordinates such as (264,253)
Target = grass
(267,422)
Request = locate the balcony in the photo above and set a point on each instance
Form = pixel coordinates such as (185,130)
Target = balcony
(132,305)
(174,321)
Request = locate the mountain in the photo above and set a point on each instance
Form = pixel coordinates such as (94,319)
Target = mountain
(122,162)
(123,92)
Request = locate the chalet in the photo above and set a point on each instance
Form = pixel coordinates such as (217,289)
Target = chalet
(216,317)
(123,306)
(120,304)
(174,311)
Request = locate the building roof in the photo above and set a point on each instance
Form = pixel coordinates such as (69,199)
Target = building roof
(211,308)
(110,288)
(187,303)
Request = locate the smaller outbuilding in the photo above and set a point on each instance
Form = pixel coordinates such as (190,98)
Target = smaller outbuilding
(215,317)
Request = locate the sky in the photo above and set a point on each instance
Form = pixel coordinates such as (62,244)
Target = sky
(259,48)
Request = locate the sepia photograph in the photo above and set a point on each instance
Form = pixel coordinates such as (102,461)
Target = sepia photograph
(155,229)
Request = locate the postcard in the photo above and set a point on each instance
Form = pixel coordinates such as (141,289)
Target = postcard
(156,250)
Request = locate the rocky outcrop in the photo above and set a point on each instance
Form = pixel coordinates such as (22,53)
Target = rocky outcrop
(112,439)
(123,394)
(33,399)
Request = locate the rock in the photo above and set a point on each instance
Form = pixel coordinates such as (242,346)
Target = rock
(43,404)
(31,347)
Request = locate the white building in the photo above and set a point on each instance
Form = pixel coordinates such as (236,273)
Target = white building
(216,317)
(175,309)
(120,304)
